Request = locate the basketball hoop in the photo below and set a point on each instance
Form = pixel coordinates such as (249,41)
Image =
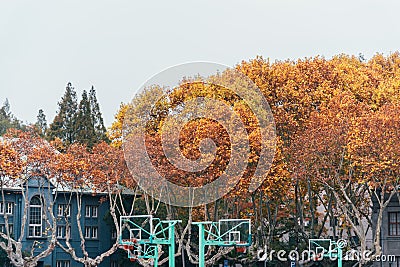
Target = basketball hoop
(241,249)
(128,247)
(235,233)
(140,236)
(127,244)
(318,257)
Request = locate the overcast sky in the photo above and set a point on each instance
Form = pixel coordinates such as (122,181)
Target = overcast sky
(117,45)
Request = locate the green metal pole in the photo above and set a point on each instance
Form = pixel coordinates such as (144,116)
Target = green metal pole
(201,245)
(156,256)
(340,254)
(171,246)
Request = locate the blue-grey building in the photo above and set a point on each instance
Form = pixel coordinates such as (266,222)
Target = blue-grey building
(390,232)
(42,196)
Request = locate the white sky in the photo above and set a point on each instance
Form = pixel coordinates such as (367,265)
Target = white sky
(117,45)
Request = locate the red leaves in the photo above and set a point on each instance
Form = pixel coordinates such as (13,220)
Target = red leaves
(98,170)
(348,140)
(24,154)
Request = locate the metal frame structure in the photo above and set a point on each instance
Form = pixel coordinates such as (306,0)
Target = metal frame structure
(335,249)
(214,236)
(160,232)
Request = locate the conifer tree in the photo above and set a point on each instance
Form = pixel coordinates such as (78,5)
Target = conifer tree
(41,123)
(98,123)
(6,108)
(81,123)
(85,132)
(7,119)
(63,125)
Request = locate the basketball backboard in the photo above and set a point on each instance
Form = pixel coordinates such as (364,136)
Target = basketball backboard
(235,231)
(136,227)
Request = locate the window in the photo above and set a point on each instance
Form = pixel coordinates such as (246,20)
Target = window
(94,232)
(91,232)
(395,263)
(94,211)
(35,217)
(114,234)
(10,228)
(62,263)
(64,210)
(394,223)
(90,210)
(60,231)
(87,211)
(68,232)
(87,231)
(9,207)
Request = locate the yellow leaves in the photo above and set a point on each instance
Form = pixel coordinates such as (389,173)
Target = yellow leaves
(58,144)
(324,115)
(11,164)
(374,143)
(114,133)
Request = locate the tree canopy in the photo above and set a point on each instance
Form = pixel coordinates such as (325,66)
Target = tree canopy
(337,142)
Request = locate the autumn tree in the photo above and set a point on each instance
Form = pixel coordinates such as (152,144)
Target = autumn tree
(215,124)
(314,130)
(350,149)
(374,153)
(114,133)
(297,89)
(26,158)
(99,172)
(10,168)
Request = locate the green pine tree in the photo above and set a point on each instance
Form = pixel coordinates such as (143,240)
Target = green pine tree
(63,125)
(98,123)
(7,119)
(85,132)
(41,123)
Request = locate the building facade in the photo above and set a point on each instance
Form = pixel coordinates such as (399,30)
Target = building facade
(390,233)
(98,230)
